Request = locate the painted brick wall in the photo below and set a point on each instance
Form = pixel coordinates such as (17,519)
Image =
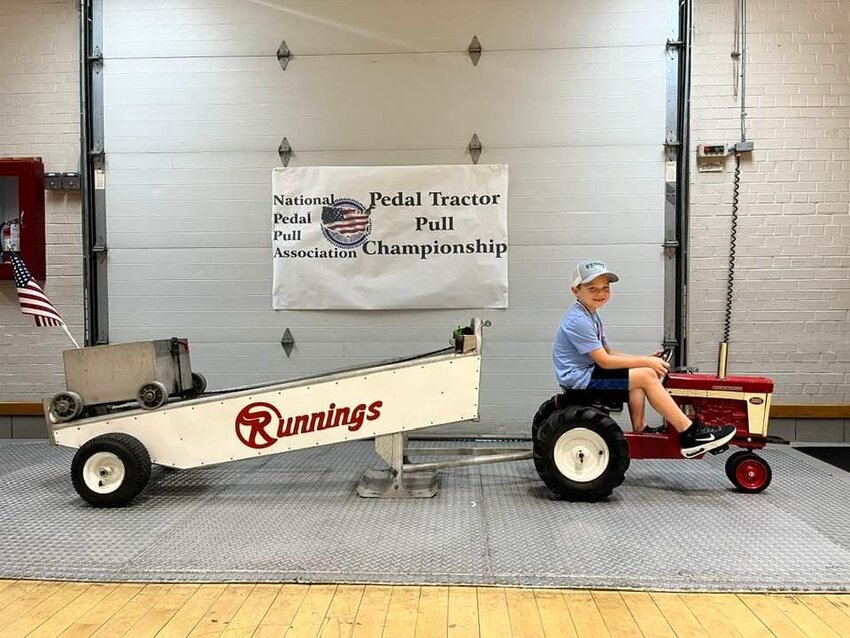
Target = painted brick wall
(39,117)
(792,287)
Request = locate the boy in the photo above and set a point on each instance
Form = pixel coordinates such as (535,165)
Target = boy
(584,360)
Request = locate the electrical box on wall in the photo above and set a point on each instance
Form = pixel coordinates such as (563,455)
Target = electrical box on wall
(712,150)
(22,214)
(711,158)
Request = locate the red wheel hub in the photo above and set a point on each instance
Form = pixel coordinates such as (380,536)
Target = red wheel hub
(751,474)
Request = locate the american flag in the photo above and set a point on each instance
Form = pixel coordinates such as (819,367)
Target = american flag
(32,298)
(343,220)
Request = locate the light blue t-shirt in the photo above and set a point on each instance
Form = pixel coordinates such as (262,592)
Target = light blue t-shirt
(579,333)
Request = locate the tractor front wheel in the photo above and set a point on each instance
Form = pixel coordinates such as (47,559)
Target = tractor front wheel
(748,472)
(580,453)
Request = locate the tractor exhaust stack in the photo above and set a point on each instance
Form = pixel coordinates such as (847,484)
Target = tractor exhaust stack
(722,357)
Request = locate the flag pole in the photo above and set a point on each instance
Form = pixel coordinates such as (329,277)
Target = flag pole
(65,328)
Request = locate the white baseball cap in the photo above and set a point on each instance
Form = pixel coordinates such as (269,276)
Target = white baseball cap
(587,271)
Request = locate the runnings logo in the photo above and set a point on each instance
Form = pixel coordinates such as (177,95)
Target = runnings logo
(260,424)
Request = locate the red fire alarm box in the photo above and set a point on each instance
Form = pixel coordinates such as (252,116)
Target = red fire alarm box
(22,214)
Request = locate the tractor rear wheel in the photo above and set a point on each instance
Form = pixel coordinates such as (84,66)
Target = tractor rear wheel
(546,408)
(581,453)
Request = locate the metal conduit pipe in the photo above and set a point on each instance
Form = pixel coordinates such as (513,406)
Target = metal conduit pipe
(743,24)
(683,202)
(477,460)
(85,173)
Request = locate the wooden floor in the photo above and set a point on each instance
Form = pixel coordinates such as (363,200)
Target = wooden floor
(39,608)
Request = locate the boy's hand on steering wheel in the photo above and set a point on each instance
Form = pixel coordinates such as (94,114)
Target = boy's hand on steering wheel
(659,366)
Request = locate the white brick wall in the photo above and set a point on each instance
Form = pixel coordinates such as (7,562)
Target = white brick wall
(792,286)
(39,117)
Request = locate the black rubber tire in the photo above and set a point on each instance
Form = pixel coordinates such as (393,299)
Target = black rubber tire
(735,461)
(66,406)
(152,395)
(556,425)
(730,463)
(199,384)
(546,408)
(137,468)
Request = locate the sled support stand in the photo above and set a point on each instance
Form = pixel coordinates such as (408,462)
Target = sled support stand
(421,480)
(395,481)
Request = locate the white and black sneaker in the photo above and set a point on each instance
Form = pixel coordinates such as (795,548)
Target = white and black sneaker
(699,439)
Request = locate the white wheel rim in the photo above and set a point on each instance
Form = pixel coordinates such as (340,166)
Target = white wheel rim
(103,472)
(581,455)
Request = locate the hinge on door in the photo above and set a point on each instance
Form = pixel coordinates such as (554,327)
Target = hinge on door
(284,151)
(671,246)
(475,148)
(96,56)
(283,55)
(288,342)
(675,44)
(671,144)
(475,50)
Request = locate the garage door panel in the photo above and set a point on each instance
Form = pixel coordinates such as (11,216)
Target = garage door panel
(589,177)
(584,180)
(540,350)
(164,301)
(554,253)
(123,292)
(645,190)
(352,105)
(547,265)
(526,163)
(523,322)
(140,232)
(134,232)
(561,298)
(177,28)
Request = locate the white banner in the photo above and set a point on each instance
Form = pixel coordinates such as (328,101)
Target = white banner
(390,237)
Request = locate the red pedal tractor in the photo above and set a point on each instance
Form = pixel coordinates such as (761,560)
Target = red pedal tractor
(582,454)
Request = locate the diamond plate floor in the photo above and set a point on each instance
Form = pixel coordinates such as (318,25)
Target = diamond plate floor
(295,517)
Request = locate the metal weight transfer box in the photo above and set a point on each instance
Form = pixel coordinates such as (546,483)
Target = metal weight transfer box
(148,372)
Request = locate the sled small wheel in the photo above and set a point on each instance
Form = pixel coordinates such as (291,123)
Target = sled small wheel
(199,383)
(66,406)
(110,470)
(152,395)
(749,472)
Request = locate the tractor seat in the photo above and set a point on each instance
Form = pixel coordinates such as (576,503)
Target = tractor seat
(605,400)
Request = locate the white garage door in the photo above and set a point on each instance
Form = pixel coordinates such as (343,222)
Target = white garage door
(569,94)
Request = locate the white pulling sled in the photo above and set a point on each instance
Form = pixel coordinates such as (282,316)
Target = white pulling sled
(116,447)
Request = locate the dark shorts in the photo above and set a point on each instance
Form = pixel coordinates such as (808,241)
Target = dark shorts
(614,381)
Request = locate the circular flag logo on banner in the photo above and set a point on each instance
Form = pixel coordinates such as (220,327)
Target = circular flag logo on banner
(346,223)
